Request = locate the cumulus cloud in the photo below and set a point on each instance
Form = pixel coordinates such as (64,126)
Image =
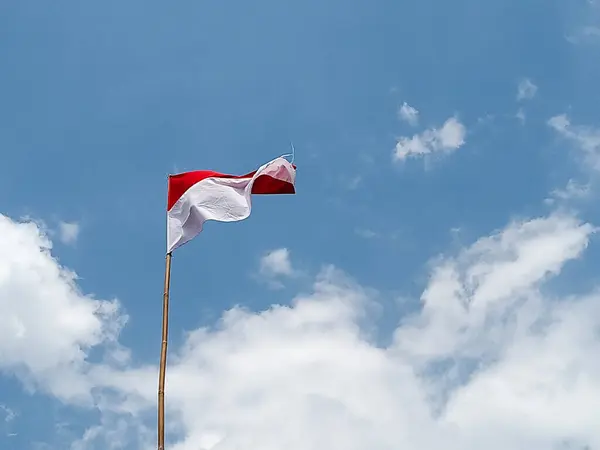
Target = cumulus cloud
(470,297)
(408,114)
(47,326)
(446,139)
(526,90)
(488,362)
(491,360)
(275,265)
(68,232)
(276,262)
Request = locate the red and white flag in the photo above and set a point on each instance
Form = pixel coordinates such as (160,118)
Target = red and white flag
(195,197)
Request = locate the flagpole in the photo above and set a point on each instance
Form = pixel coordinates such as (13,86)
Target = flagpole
(163,356)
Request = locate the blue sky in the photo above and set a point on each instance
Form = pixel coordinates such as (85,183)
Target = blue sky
(100,101)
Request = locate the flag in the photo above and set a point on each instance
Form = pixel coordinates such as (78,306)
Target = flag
(195,197)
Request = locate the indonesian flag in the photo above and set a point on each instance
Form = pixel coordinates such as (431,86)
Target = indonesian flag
(195,197)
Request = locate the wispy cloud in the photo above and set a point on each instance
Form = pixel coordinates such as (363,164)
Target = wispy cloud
(584,35)
(9,414)
(408,114)
(572,191)
(526,90)
(68,232)
(586,139)
(366,233)
(446,139)
(351,182)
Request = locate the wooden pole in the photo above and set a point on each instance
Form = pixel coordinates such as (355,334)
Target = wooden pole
(163,356)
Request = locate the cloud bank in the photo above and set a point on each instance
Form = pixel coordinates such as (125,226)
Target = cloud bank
(491,359)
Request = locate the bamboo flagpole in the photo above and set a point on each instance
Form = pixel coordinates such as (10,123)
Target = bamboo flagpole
(163,356)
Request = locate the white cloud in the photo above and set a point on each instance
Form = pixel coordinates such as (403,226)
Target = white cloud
(47,326)
(468,298)
(587,139)
(560,123)
(7,418)
(275,265)
(471,370)
(572,191)
(526,90)
(276,262)
(68,232)
(351,183)
(586,34)
(408,114)
(446,139)
(366,233)
(490,361)
(9,414)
